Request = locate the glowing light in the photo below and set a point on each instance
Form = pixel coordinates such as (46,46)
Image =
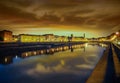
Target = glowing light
(60,48)
(6,59)
(5,39)
(26,54)
(114,37)
(41,51)
(47,50)
(86,45)
(119,43)
(117,33)
(52,50)
(16,56)
(57,49)
(62,62)
(34,53)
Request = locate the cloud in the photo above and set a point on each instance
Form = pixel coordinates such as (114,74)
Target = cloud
(112,19)
(9,14)
(92,14)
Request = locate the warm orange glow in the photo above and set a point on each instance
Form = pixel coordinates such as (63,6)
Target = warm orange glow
(6,59)
(117,33)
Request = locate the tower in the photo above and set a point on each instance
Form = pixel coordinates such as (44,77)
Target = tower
(71,35)
(84,35)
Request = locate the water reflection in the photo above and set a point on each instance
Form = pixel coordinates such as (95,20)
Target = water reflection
(60,64)
(8,59)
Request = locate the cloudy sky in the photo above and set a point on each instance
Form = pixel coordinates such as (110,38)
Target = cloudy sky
(62,17)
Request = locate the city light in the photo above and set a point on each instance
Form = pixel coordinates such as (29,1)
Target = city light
(16,56)
(59,41)
(6,59)
(117,33)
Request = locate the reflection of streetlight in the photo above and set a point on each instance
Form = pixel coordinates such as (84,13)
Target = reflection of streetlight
(86,45)
(16,56)
(62,62)
(6,59)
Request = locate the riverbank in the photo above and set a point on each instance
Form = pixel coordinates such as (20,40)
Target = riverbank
(107,69)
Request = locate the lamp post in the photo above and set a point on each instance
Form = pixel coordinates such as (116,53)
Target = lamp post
(117,34)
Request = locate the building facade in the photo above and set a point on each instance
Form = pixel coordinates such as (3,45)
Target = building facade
(6,36)
(42,38)
(29,38)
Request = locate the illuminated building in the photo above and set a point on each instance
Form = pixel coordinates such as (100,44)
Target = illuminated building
(42,38)
(6,36)
(29,38)
(102,38)
(76,39)
(64,39)
(49,37)
(61,38)
(15,38)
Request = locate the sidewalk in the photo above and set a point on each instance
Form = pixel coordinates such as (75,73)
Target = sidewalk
(117,63)
(105,70)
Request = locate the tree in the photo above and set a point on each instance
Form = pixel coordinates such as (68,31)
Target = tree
(1,38)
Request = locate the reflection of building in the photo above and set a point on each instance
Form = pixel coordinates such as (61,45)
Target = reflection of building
(6,36)
(6,60)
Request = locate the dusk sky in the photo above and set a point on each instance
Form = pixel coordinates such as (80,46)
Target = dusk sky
(61,17)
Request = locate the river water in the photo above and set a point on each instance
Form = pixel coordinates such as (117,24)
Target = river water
(57,65)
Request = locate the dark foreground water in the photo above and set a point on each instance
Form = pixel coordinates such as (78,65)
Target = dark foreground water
(71,65)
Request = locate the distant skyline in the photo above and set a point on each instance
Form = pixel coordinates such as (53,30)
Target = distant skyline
(96,18)
(59,33)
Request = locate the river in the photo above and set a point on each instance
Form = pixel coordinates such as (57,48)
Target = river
(72,64)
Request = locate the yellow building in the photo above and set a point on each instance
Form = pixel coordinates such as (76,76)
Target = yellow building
(42,38)
(29,38)
(64,39)
(61,38)
(49,37)
(77,39)
(32,38)
(6,36)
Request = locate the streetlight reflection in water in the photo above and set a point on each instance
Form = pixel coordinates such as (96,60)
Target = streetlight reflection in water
(71,64)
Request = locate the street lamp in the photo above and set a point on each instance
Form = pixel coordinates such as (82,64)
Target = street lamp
(117,34)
